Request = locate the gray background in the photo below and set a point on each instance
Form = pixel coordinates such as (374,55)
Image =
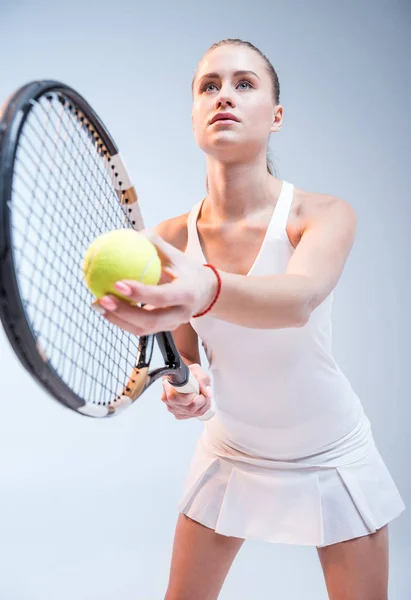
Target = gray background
(88,508)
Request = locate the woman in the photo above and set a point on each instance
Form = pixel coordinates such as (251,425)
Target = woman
(289,456)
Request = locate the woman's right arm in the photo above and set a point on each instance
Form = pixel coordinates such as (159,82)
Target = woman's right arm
(174,231)
(184,406)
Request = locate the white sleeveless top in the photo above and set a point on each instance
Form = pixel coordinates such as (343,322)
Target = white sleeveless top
(289,456)
(279,392)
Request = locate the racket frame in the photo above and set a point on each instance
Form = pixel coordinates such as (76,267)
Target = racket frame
(12,311)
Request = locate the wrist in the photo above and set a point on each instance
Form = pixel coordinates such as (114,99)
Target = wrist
(214,289)
(213,286)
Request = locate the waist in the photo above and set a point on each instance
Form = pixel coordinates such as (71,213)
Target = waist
(284,427)
(283,399)
(300,448)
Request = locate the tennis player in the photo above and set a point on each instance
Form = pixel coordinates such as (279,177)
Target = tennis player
(290,456)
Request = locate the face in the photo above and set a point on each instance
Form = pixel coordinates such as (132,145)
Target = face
(239,84)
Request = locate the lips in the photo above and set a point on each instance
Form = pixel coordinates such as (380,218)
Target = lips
(223,117)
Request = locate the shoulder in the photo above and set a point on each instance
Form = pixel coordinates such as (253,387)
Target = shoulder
(311,208)
(174,231)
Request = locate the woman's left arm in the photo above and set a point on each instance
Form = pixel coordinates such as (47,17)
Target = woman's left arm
(287,300)
(263,302)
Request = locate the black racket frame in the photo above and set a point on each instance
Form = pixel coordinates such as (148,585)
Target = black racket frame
(12,312)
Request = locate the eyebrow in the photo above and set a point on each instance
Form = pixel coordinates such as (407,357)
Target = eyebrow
(236,74)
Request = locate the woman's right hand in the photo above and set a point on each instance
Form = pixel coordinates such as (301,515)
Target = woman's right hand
(188,406)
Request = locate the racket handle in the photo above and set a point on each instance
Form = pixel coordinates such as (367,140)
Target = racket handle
(192,387)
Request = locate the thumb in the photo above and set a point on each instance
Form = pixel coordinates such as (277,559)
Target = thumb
(169,255)
(203,379)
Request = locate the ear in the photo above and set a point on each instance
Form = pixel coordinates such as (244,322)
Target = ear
(277,119)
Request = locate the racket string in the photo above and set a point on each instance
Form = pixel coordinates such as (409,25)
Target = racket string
(63,197)
(75,156)
(79,183)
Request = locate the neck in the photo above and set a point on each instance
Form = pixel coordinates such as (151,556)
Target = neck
(238,191)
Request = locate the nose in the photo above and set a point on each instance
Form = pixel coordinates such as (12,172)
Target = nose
(224,99)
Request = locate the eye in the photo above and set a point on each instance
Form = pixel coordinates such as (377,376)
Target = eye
(207,85)
(246,82)
(210,84)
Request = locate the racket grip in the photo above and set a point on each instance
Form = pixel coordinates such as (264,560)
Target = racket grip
(192,387)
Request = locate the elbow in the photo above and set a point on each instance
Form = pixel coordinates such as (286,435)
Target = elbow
(307,304)
(302,319)
(303,315)
(296,318)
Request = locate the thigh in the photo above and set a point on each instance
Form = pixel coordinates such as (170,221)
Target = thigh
(200,561)
(357,569)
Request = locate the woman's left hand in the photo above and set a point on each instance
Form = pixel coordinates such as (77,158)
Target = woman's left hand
(185,289)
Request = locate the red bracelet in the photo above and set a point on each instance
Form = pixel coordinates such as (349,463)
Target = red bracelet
(217,274)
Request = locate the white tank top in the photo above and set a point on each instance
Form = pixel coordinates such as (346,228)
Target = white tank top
(279,392)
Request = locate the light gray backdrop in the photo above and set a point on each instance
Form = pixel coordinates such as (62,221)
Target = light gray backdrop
(88,508)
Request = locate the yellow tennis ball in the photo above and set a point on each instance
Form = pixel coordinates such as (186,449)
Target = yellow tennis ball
(120,254)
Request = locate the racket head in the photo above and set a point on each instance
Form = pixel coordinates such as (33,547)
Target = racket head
(62,183)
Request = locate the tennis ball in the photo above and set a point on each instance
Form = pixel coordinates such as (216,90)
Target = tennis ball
(120,254)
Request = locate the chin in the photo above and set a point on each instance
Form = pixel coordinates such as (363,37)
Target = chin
(223,142)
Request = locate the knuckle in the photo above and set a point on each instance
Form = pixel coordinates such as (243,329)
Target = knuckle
(198,405)
(196,370)
(205,405)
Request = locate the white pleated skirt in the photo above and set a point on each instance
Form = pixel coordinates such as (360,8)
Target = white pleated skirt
(313,502)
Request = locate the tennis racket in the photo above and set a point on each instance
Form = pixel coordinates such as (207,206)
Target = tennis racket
(63,183)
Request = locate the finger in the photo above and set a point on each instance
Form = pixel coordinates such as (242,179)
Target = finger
(162,296)
(200,374)
(197,405)
(179,413)
(203,379)
(204,397)
(195,409)
(113,318)
(183,417)
(140,321)
(163,396)
(176,397)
